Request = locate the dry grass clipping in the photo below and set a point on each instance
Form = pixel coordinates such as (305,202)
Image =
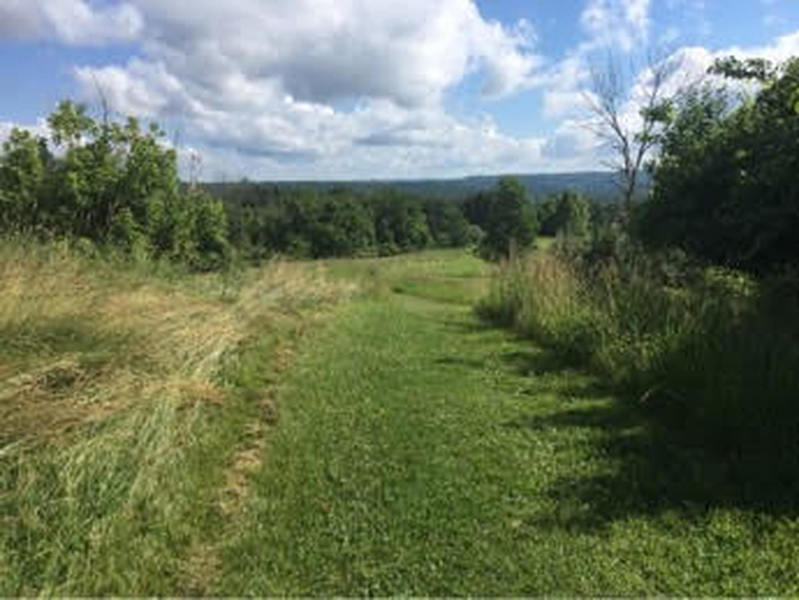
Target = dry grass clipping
(170,337)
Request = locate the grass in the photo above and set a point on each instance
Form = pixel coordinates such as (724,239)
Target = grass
(544,242)
(715,352)
(128,397)
(421,453)
(402,447)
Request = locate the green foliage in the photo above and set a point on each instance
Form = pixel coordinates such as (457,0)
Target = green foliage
(110,183)
(448,226)
(725,181)
(209,232)
(568,214)
(758,69)
(506,216)
(22,171)
(400,223)
(709,348)
(313,222)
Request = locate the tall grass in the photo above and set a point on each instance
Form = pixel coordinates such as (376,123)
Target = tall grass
(714,350)
(126,394)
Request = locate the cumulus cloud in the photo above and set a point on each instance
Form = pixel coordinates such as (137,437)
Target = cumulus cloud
(444,148)
(71,21)
(354,78)
(572,139)
(19,19)
(326,50)
(618,26)
(620,23)
(349,88)
(563,84)
(783,48)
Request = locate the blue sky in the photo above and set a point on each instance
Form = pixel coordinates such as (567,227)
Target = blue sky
(305,89)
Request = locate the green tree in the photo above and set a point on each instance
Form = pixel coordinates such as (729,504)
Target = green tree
(506,216)
(345,227)
(725,185)
(112,183)
(568,214)
(22,173)
(209,232)
(400,222)
(447,224)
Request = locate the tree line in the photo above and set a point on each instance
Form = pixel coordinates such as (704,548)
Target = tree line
(308,222)
(115,185)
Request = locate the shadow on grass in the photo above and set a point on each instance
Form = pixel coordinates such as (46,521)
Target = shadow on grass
(535,362)
(659,469)
(657,464)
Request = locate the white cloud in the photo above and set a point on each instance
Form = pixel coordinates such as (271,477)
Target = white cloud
(352,88)
(71,21)
(410,52)
(572,140)
(617,23)
(19,19)
(352,85)
(563,86)
(781,49)
(608,25)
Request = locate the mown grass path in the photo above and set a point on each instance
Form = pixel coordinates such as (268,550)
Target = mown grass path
(418,452)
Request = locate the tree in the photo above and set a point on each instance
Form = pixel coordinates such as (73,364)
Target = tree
(22,172)
(568,214)
(446,222)
(400,222)
(112,183)
(507,217)
(609,101)
(725,185)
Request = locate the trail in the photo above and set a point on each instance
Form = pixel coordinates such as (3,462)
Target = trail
(403,463)
(419,452)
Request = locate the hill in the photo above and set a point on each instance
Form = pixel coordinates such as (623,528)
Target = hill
(600,185)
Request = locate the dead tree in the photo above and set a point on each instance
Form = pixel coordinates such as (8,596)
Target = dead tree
(617,93)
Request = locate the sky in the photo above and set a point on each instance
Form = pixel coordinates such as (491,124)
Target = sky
(366,89)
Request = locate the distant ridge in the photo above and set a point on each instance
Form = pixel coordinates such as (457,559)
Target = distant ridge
(599,185)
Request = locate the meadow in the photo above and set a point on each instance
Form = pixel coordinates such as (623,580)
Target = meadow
(133,398)
(344,427)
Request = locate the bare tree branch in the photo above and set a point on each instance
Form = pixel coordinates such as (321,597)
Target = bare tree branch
(610,99)
(103,100)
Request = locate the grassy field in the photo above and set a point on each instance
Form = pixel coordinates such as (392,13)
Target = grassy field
(420,452)
(133,403)
(398,446)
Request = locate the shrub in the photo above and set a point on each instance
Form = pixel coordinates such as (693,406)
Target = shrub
(711,349)
(110,183)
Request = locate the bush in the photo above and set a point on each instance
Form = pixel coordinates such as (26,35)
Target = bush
(111,184)
(712,349)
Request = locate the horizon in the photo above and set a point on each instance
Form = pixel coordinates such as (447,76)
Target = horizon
(317,90)
(608,172)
